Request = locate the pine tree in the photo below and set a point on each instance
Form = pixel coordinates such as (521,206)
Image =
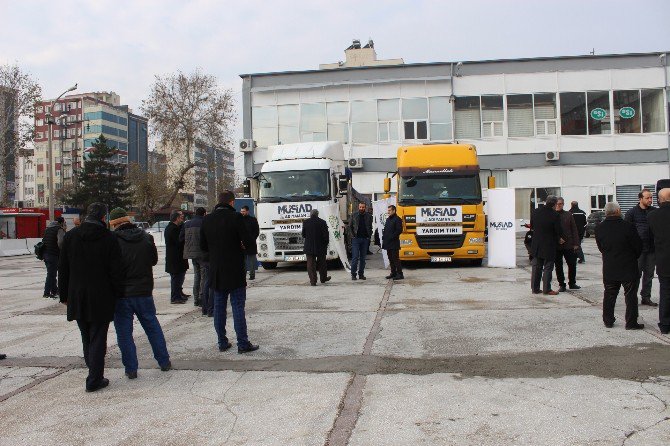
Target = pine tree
(102,180)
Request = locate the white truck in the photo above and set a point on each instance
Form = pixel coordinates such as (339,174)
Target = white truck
(296,179)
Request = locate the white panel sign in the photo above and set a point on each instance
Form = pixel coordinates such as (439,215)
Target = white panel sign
(435,214)
(502,235)
(439,230)
(289,227)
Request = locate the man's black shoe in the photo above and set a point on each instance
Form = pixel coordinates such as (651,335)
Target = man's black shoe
(185,296)
(47,296)
(648,302)
(104,383)
(131,375)
(178,301)
(580,261)
(663,331)
(225,347)
(390,276)
(353,277)
(574,287)
(635,326)
(166,367)
(399,277)
(537,291)
(252,277)
(561,289)
(2,356)
(362,277)
(326,279)
(609,325)
(249,348)
(210,314)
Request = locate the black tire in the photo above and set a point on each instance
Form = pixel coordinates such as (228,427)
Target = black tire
(269,265)
(476,262)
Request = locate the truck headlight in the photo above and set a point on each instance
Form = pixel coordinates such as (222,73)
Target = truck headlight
(264,247)
(406,241)
(476,240)
(262,237)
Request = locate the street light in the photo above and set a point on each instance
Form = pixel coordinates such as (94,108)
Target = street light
(50,174)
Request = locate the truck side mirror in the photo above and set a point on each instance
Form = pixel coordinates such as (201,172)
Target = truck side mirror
(387,185)
(342,185)
(267,185)
(246,187)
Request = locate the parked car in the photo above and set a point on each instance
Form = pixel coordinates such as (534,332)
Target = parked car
(159,226)
(142,224)
(593,220)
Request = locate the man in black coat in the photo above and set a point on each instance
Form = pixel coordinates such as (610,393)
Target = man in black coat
(53,241)
(546,225)
(659,223)
(638,216)
(224,236)
(250,249)
(316,235)
(175,264)
(360,230)
(620,245)
(391,243)
(91,279)
(138,256)
(580,221)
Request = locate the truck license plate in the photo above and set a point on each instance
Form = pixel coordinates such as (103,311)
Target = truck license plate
(298,258)
(440,259)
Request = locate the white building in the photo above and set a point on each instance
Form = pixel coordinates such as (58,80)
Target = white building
(589,128)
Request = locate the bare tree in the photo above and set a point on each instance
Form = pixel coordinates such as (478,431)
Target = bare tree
(148,189)
(184,109)
(19,95)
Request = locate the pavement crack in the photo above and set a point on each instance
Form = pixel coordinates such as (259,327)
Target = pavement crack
(631,434)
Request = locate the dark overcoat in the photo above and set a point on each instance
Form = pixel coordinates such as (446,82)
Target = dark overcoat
(315,233)
(620,245)
(253,231)
(659,223)
(391,233)
(546,225)
(174,250)
(223,235)
(90,271)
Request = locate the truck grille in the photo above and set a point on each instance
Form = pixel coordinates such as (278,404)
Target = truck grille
(288,241)
(440,241)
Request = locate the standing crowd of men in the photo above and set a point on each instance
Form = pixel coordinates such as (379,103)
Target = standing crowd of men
(631,248)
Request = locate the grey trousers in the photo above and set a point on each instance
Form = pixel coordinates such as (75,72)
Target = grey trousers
(646,264)
(541,272)
(197,280)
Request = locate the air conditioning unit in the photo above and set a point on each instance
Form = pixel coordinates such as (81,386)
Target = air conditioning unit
(247,145)
(551,155)
(355,163)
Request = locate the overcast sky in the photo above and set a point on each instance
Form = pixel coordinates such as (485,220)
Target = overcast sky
(120,45)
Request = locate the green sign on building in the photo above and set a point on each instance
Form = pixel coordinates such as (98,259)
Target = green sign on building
(627,112)
(598,114)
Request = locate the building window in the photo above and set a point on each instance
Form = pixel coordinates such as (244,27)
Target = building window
(598,107)
(364,122)
(388,112)
(415,118)
(573,113)
(40,122)
(653,119)
(492,116)
(468,118)
(627,117)
(289,121)
(520,115)
(600,196)
(439,109)
(544,109)
(313,122)
(40,109)
(56,133)
(264,125)
(338,121)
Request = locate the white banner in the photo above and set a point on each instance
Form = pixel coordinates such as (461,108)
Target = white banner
(502,235)
(380,211)
(331,214)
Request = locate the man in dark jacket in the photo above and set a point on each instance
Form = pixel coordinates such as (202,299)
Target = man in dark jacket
(53,241)
(250,249)
(567,248)
(189,237)
(316,235)
(580,221)
(360,229)
(659,223)
(91,278)
(645,263)
(620,246)
(224,237)
(138,256)
(546,225)
(175,264)
(391,243)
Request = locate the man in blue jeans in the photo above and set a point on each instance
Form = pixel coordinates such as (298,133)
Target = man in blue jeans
(139,255)
(224,236)
(360,228)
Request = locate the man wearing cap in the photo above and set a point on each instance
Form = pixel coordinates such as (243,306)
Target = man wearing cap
(138,256)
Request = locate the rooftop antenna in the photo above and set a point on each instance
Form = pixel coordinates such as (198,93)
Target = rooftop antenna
(593,52)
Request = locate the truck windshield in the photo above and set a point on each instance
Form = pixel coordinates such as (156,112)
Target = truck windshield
(294,185)
(439,190)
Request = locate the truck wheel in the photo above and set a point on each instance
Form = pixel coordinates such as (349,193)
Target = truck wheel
(476,262)
(269,265)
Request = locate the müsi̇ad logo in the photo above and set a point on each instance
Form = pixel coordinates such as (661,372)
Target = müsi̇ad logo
(501,225)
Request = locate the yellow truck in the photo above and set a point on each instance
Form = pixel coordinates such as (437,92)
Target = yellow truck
(440,203)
